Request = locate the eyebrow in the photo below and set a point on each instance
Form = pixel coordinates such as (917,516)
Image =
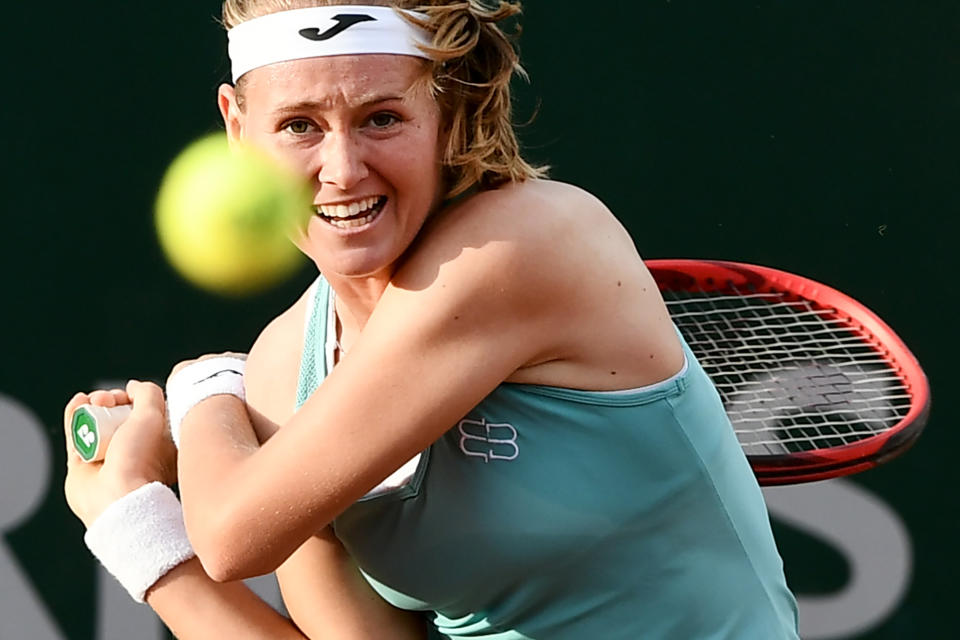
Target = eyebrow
(315,105)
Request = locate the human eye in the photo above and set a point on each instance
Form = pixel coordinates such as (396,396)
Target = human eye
(383,120)
(298,127)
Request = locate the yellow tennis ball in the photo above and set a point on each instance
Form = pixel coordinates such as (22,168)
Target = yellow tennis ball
(226,217)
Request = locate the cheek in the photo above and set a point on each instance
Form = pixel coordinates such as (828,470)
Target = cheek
(300,160)
(423,156)
(402,161)
(296,158)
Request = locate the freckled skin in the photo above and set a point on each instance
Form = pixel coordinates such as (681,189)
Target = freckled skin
(326,119)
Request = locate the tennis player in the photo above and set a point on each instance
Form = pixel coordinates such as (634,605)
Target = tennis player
(479,422)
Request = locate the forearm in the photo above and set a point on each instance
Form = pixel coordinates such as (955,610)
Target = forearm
(216,444)
(323,589)
(195,607)
(327,596)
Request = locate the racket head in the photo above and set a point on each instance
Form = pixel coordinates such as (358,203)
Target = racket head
(815,384)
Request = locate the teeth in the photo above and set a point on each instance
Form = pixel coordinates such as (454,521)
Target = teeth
(355,222)
(346,211)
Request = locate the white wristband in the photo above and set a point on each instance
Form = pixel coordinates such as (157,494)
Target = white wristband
(198,381)
(140,537)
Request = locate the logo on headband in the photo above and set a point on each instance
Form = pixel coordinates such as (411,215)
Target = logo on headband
(344,22)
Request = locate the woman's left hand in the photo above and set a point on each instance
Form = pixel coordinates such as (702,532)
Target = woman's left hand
(140,451)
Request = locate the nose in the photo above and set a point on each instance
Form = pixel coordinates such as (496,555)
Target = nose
(341,161)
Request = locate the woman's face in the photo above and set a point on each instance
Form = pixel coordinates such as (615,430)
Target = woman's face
(365,138)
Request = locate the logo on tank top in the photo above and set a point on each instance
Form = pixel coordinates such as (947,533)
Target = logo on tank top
(488,440)
(344,22)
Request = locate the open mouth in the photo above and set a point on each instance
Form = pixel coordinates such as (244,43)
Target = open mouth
(355,214)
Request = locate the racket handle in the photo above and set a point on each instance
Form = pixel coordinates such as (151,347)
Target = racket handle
(92,427)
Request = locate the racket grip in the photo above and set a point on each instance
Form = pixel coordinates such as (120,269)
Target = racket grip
(92,427)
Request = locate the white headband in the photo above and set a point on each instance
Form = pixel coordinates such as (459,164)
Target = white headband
(322,31)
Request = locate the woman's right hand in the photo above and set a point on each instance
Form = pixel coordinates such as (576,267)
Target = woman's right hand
(141,451)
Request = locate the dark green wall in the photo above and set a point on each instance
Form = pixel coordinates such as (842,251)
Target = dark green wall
(818,137)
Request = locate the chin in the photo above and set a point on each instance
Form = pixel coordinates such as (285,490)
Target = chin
(351,263)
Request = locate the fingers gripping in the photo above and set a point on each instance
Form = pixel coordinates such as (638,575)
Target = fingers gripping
(77,400)
(147,399)
(96,429)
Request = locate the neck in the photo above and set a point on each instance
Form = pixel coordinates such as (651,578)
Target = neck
(356,298)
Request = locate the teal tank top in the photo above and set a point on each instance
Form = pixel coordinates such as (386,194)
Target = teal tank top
(559,514)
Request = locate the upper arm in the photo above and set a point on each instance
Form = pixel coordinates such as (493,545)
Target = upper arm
(327,596)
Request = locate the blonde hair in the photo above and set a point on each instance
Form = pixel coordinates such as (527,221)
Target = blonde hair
(473,61)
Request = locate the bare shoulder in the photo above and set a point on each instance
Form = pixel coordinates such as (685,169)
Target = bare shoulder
(532,207)
(563,275)
(537,236)
(273,366)
(537,193)
(530,230)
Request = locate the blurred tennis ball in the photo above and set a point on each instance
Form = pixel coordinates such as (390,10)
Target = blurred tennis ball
(226,217)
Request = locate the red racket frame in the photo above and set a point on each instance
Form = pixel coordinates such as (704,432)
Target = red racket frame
(689,275)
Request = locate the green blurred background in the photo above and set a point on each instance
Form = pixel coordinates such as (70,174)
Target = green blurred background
(817,137)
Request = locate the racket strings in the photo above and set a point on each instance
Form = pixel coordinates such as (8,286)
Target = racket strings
(793,376)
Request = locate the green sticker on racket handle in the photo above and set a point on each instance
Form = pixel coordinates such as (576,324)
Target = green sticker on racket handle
(93,426)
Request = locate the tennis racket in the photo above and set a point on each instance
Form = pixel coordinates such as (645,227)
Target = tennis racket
(92,426)
(815,384)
